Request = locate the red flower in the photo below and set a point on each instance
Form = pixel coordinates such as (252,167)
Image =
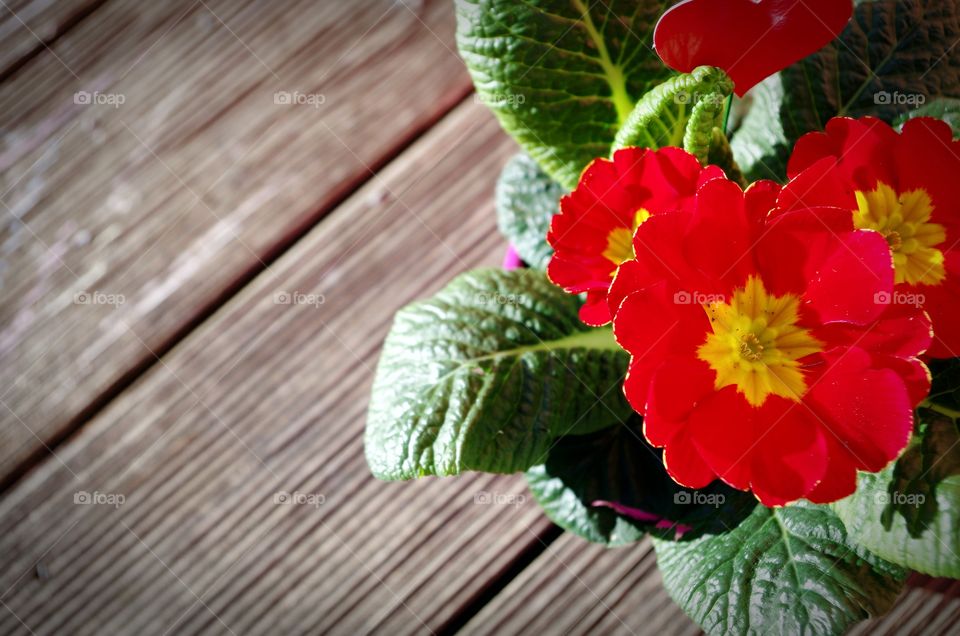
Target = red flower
(749,39)
(904,186)
(759,353)
(592,234)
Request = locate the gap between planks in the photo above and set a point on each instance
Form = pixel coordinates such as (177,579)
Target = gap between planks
(314,172)
(199,497)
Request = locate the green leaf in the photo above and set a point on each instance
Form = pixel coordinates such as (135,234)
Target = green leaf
(893,55)
(760,145)
(941,108)
(561,77)
(681,112)
(617,465)
(909,513)
(485,375)
(787,570)
(526,201)
(720,154)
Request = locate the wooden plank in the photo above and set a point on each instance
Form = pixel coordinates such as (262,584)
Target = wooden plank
(268,397)
(928,607)
(579,588)
(183,192)
(28,26)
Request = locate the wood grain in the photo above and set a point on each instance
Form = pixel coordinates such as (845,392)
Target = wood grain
(264,398)
(27,27)
(173,199)
(198,200)
(579,588)
(927,607)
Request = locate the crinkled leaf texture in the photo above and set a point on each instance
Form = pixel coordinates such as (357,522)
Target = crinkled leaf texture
(909,513)
(681,112)
(893,54)
(485,375)
(790,570)
(760,145)
(562,76)
(527,198)
(617,465)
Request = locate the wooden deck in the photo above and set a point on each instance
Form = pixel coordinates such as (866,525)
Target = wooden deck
(146,352)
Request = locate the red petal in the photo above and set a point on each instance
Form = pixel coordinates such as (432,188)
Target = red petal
(840,479)
(866,149)
(942,302)
(914,373)
(684,463)
(719,241)
(574,274)
(928,158)
(868,409)
(760,199)
(659,248)
(631,277)
(850,282)
(652,328)
(675,390)
(649,323)
(790,457)
(794,245)
(607,199)
(901,330)
(750,40)
(820,185)
(725,430)
(637,382)
(811,149)
(709,174)
(896,341)
(595,311)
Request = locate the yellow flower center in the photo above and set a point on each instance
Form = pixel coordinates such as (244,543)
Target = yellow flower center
(620,241)
(756,344)
(905,222)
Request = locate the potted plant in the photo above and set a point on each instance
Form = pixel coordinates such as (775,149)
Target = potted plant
(738,326)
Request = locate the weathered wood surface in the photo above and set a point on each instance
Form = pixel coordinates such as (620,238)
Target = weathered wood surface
(177,196)
(268,397)
(928,607)
(27,27)
(180,200)
(576,588)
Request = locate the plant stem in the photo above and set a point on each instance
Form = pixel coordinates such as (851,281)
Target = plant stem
(942,410)
(726,116)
